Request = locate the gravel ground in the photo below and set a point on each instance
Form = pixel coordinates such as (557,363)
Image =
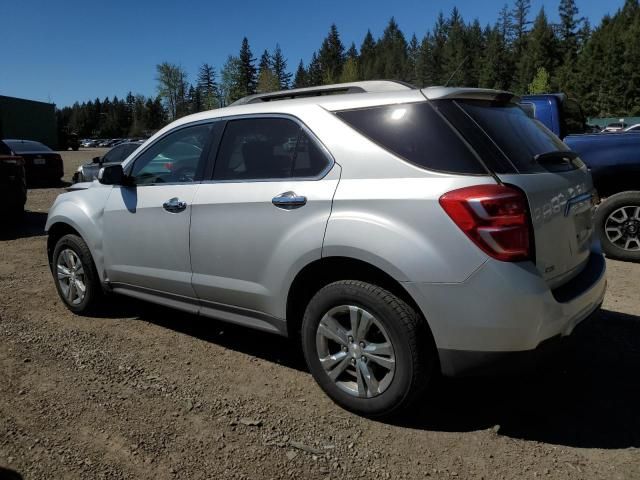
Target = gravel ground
(146,392)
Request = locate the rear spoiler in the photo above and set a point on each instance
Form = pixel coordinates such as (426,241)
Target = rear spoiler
(443,93)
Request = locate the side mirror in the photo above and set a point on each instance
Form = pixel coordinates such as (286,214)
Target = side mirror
(114,175)
(96,159)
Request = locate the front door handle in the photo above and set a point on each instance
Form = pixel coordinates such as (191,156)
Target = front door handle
(174,205)
(289,201)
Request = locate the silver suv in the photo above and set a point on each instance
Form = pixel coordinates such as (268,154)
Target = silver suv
(397,233)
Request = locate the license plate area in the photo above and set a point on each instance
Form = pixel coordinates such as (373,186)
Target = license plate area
(39,161)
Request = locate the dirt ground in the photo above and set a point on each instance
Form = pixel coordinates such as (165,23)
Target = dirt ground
(147,392)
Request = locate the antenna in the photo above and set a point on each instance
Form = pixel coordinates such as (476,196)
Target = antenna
(457,70)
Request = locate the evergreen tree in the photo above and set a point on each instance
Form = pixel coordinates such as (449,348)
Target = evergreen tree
(436,63)
(392,61)
(423,72)
(315,75)
(208,87)
(331,56)
(247,75)
(367,64)
(279,65)
(541,52)
(456,59)
(300,80)
(520,25)
(413,52)
(495,71)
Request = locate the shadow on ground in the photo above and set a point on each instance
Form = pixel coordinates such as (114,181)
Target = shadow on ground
(31,224)
(8,474)
(588,396)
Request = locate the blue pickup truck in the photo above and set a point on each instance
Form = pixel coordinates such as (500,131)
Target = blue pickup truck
(614,161)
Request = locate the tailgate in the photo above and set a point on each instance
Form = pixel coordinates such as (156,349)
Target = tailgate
(562,217)
(522,152)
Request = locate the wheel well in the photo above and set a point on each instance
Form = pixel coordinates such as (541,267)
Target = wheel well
(56,232)
(331,269)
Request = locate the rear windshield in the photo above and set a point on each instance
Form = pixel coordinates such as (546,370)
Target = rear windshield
(417,133)
(508,133)
(25,146)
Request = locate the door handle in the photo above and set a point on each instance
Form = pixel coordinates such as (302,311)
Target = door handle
(174,205)
(289,201)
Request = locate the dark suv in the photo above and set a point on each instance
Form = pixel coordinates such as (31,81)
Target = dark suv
(12,182)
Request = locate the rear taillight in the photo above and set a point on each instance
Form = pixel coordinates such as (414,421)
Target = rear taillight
(494,217)
(12,161)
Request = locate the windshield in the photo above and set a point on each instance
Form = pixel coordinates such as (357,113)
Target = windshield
(25,146)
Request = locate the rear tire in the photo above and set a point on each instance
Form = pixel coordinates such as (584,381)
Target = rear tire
(379,365)
(75,275)
(618,223)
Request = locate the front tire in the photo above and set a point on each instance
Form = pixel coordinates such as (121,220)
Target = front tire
(75,275)
(618,223)
(368,350)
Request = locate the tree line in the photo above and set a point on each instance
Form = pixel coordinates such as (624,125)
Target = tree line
(520,52)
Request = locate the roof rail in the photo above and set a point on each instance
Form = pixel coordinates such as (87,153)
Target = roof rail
(369,86)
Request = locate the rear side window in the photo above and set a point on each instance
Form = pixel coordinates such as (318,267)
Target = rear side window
(574,121)
(516,136)
(416,133)
(267,149)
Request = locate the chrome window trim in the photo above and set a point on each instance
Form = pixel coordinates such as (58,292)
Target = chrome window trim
(314,138)
(129,165)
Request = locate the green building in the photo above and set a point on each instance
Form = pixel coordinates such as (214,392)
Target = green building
(28,120)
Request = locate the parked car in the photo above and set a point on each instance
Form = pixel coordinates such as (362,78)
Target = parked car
(614,161)
(89,171)
(89,143)
(42,165)
(394,240)
(615,127)
(13,183)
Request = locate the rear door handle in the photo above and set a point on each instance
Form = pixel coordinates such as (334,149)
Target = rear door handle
(174,205)
(289,201)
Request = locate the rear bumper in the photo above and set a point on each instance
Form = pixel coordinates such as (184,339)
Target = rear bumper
(505,311)
(40,173)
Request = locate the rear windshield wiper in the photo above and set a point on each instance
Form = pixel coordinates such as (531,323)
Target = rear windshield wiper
(565,156)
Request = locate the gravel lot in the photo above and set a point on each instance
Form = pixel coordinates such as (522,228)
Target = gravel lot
(146,392)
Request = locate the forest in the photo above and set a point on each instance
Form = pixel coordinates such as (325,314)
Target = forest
(522,51)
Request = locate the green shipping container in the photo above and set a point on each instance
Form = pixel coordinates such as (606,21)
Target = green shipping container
(28,120)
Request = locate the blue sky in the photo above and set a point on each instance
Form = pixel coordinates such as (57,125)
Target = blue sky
(68,50)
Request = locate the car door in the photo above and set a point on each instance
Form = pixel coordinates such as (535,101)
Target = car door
(260,218)
(146,225)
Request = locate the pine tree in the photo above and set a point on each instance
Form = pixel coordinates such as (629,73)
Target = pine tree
(208,87)
(520,25)
(367,64)
(300,80)
(247,70)
(423,72)
(279,65)
(392,53)
(495,71)
(315,75)
(456,60)
(541,52)
(413,52)
(232,86)
(436,63)
(331,56)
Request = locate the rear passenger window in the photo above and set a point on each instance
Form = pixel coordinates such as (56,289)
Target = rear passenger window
(267,148)
(416,133)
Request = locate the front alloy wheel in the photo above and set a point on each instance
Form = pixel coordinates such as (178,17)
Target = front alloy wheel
(75,274)
(71,278)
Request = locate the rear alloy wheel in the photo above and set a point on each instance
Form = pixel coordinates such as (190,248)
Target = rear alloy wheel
(618,221)
(75,275)
(368,350)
